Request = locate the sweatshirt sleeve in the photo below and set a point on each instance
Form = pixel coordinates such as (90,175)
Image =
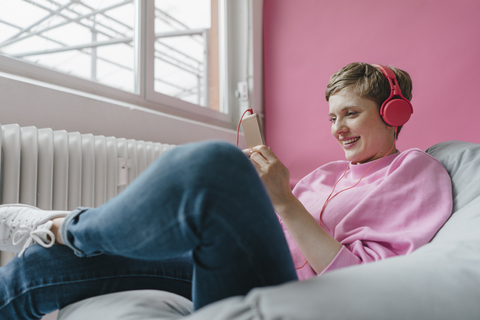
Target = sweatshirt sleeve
(344,258)
(401,213)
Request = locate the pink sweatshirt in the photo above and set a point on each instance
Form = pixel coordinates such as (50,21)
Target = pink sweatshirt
(398,206)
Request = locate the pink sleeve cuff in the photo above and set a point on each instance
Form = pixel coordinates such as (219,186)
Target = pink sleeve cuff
(344,258)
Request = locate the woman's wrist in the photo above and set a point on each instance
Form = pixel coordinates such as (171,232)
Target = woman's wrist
(289,207)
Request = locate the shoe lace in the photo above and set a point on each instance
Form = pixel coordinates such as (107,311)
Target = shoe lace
(36,231)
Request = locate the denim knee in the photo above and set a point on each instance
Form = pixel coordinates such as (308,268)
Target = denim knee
(211,160)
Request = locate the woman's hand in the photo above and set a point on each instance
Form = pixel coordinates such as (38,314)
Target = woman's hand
(315,243)
(274,175)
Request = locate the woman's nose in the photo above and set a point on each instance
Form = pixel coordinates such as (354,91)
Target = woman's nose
(339,127)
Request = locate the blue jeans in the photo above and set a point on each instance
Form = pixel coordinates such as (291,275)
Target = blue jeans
(198,222)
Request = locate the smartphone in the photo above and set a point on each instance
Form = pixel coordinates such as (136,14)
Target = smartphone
(252,130)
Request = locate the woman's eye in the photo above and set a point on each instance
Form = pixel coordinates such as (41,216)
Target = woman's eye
(332,120)
(351,113)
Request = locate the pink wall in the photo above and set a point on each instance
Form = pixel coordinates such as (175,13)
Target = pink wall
(305,41)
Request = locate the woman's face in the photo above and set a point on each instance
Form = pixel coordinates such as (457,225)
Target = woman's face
(358,127)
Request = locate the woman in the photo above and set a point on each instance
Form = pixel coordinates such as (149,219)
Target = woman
(200,223)
(399,200)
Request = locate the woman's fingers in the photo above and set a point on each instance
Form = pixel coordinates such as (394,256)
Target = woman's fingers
(266,152)
(247,152)
(264,160)
(259,159)
(274,174)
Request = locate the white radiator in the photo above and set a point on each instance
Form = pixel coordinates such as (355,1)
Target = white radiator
(59,170)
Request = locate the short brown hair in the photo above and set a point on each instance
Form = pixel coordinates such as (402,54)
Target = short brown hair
(368,82)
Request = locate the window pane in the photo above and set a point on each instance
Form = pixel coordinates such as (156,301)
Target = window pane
(185,38)
(90,39)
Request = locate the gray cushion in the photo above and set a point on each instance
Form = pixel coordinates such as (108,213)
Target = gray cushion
(440,280)
(462,161)
(129,305)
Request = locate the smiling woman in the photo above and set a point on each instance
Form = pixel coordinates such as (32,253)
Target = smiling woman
(356,211)
(358,127)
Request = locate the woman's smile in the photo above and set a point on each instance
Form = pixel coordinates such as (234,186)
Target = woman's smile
(350,142)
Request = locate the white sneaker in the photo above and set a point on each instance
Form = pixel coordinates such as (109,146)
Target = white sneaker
(22,226)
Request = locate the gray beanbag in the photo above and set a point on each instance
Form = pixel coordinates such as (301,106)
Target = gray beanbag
(440,280)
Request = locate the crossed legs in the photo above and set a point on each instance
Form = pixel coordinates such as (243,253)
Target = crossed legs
(199,217)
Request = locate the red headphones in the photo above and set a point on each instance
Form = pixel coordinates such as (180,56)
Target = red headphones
(396,110)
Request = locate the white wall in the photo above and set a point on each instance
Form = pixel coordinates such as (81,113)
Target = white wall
(31,103)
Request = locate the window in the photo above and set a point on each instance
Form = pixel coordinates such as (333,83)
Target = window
(182,49)
(184,64)
(88,39)
(170,53)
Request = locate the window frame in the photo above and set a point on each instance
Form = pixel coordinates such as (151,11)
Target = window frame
(144,95)
(148,15)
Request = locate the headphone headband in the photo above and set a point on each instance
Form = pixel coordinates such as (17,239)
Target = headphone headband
(396,110)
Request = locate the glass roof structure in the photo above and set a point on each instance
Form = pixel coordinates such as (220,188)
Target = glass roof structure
(94,39)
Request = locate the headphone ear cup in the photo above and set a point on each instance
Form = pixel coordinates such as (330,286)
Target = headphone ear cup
(396,112)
